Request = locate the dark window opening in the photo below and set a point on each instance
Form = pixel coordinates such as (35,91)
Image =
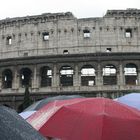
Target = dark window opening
(45,36)
(109,80)
(9,40)
(87,80)
(87,76)
(130,80)
(108,49)
(128,33)
(25,77)
(66,76)
(86,33)
(65,52)
(109,75)
(7,79)
(26,54)
(46,76)
(101,28)
(131,74)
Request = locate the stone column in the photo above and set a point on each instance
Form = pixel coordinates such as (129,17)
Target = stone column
(121,76)
(55,76)
(0,80)
(35,78)
(99,77)
(138,77)
(16,79)
(76,77)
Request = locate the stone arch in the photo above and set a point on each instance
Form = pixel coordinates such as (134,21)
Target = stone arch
(131,74)
(88,75)
(109,75)
(46,76)
(25,77)
(7,78)
(66,75)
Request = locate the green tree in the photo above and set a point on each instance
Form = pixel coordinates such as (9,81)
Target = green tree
(26,101)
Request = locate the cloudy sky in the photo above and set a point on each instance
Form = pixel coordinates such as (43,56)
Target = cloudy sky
(80,8)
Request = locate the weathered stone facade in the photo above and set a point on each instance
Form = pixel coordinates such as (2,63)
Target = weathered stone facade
(59,54)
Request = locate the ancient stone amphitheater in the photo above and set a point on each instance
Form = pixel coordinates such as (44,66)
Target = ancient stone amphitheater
(57,54)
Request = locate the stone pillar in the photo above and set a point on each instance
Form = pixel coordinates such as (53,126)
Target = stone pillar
(55,76)
(120,76)
(0,80)
(99,77)
(37,84)
(35,78)
(76,77)
(16,79)
(138,77)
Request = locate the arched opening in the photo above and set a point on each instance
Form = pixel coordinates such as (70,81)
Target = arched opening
(131,74)
(109,75)
(46,76)
(25,77)
(7,78)
(88,76)
(66,76)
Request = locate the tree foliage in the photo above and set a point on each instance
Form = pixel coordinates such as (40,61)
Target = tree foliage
(26,101)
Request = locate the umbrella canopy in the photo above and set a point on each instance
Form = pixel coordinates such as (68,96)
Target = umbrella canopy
(87,119)
(13,127)
(26,114)
(132,100)
(39,104)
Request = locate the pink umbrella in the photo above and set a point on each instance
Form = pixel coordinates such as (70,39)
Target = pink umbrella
(87,119)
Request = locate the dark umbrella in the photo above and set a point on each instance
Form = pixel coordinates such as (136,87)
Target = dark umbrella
(39,104)
(13,127)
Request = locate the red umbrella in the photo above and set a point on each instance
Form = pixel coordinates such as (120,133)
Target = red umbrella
(87,119)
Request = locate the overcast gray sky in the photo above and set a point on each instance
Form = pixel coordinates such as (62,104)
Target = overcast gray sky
(80,8)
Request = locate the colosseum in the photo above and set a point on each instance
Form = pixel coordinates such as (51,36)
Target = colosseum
(59,54)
